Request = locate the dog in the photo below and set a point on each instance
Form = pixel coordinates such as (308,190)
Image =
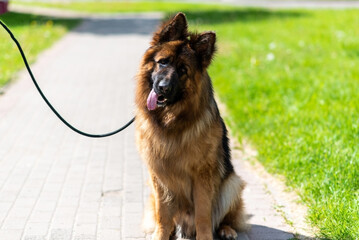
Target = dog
(183,139)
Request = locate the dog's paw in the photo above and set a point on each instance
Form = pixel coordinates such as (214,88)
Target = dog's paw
(157,236)
(225,232)
(161,235)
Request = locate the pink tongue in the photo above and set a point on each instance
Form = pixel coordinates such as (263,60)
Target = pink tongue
(152,100)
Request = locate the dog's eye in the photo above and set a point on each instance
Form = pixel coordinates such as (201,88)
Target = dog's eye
(163,61)
(183,70)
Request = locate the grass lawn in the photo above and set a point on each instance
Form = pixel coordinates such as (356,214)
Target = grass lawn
(34,34)
(290,80)
(124,6)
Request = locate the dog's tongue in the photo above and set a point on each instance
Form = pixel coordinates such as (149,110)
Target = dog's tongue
(152,100)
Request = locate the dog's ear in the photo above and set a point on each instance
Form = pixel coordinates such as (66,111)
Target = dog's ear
(204,46)
(174,29)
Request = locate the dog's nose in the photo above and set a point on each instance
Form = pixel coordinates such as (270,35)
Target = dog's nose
(164,86)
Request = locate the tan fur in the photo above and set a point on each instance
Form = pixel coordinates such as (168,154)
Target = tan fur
(182,147)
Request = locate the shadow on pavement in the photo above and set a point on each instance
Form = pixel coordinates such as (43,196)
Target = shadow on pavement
(241,15)
(260,232)
(141,26)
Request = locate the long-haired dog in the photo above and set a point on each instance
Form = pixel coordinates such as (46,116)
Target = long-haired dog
(183,139)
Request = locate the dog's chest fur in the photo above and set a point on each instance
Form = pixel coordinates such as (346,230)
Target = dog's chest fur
(176,159)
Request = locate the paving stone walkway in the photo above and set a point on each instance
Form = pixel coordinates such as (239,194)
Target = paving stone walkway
(57,185)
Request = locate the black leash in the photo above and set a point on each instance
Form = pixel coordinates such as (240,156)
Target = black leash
(47,101)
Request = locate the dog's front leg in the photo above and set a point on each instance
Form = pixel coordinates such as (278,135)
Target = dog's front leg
(163,213)
(203,194)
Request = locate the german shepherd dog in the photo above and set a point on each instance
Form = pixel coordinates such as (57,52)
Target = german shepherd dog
(183,139)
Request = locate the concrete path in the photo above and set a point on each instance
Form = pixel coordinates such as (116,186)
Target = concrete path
(55,184)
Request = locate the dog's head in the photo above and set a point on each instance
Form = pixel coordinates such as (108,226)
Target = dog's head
(175,61)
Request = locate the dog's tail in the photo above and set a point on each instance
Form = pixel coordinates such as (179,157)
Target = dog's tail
(230,204)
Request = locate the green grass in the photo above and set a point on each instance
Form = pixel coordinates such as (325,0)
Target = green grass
(125,6)
(34,34)
(290,81)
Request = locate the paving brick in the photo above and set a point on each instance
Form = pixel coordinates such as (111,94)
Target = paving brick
(37,229)
(10,234)
(17,223)
(67,201)
(110,234)
(60,234)
(35,237)
(41,217)
(68,211)
(85,229)
(111,222)
(88,205)
(87,218)
(45,205)
(24,202)
(19,212)
(64,222)
(133,207)
(84,237)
